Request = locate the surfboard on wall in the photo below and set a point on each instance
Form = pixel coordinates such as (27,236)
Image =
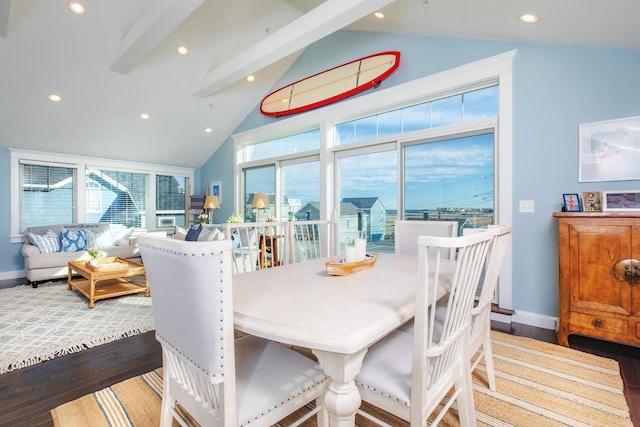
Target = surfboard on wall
(331,85)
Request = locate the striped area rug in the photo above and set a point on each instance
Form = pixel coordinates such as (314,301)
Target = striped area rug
(538,384)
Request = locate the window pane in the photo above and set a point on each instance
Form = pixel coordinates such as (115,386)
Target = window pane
(374,195)
(366,128)
(416,117)
(450,180)
(345,133)
(301,191)
(171,200)
(122,197)
(446,111)
(297,143)
(47,195)
(259,180)
(390,123)
(481,103)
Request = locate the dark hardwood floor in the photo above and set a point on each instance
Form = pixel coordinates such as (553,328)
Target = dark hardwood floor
(27,395)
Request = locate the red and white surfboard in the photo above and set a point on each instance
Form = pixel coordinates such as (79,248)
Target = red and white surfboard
(331,85)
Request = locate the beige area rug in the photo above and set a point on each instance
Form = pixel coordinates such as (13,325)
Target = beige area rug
(40,324)
(538,384)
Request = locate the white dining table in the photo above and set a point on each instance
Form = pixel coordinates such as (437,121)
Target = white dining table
(337,317)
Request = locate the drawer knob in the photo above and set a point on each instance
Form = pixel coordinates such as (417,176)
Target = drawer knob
(627,270)
(596,323)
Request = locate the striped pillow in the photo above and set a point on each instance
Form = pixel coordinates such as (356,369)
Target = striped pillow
(47,243)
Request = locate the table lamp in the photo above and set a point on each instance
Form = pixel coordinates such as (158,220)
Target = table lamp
(211,203)
(260,201)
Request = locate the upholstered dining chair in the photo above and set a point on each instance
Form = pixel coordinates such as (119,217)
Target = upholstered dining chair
(217,380)
(409,374)
(406,233)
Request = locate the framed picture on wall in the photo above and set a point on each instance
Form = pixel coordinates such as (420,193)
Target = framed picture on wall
(215,189)
(621,201)
(609,150)
(591,201)
(571,202)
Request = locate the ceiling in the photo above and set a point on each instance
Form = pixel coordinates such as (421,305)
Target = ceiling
(119,60)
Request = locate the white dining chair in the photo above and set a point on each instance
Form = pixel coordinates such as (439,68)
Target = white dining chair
(246,251)
(217,380)
(480,332)
(406,234)
(409,374)
(480,341)
(309,240)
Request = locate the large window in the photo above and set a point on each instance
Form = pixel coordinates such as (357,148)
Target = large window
(122,197)
(450,179)
(438,144)
(48,194)
(48,188)
(368,196)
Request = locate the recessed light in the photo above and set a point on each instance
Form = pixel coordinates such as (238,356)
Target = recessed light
(208,130)
(378,15)
(528,18)
(77,8)
(54,97)
(144,116)
(183,50)
(251,78)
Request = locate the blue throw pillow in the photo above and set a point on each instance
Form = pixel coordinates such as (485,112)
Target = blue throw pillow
(47,243)
(73,240)
(193,233)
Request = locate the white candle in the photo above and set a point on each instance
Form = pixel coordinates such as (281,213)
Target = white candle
(350,253)
(361,249)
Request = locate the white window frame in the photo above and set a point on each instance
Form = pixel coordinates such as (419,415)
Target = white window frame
(81,163)
(497,69)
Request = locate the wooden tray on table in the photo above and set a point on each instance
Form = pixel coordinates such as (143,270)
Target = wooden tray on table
(340,267)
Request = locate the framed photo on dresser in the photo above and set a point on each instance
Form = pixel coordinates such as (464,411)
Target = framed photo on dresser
(591,201)
(571,202)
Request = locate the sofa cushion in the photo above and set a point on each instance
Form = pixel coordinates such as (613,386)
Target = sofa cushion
(120,237)
(47,243)
(73,240)
(209,234)
(193,233)
(180,233)
(98,239)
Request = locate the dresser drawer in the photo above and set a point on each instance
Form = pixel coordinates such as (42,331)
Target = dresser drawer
(597,324)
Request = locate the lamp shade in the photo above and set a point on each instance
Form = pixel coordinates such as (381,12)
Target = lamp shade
(211,202)
(260,201)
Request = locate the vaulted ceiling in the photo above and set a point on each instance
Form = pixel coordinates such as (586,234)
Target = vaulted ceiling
(119,60)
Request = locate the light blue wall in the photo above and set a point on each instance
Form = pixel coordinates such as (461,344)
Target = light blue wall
(556,88)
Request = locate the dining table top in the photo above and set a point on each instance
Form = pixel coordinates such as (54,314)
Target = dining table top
(301,304)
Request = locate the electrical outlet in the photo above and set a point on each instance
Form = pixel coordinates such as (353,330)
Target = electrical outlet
(527,206)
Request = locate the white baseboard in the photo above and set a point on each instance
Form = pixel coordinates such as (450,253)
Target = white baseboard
(534,319)
(528,318)
(17,274)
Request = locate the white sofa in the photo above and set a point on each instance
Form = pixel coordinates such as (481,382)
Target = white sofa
(46,264)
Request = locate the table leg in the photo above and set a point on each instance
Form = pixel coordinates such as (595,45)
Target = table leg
(92,292)
(146,282)
(342,399)
(69,275)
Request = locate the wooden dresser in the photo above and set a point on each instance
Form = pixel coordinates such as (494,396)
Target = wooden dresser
(599,276)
